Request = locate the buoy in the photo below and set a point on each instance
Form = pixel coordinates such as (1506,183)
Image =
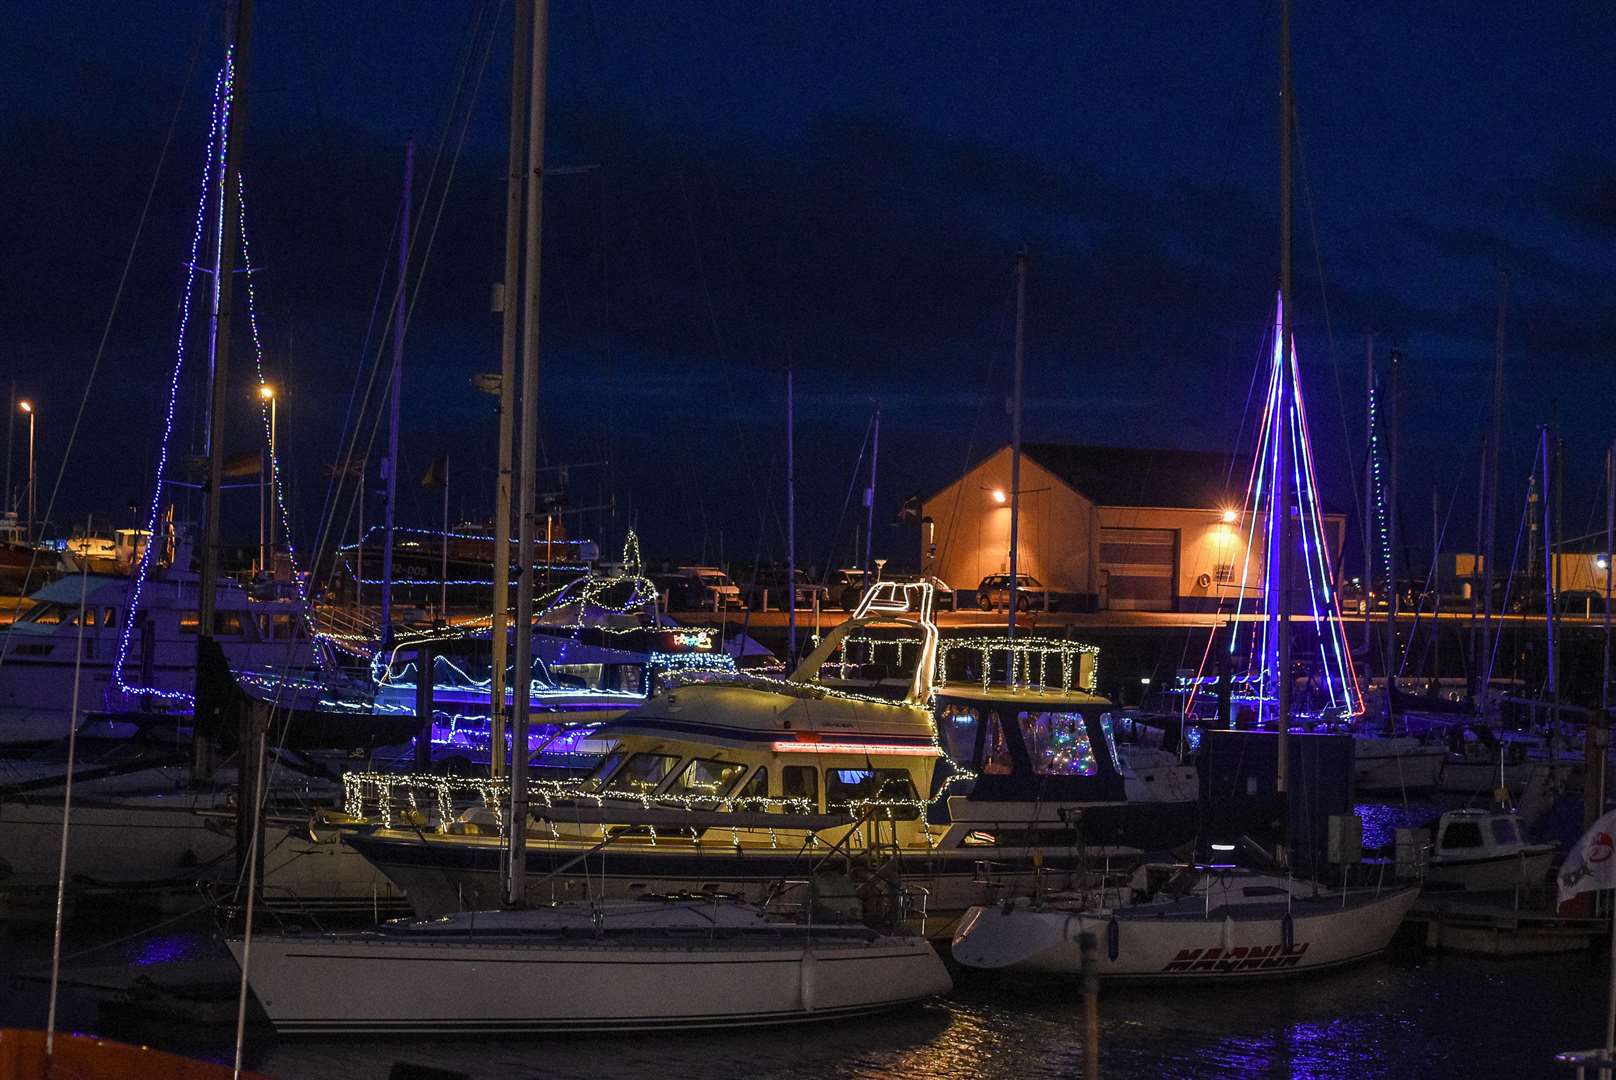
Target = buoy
(1287,931)
(1113,938)
(805,980)
(1228,932)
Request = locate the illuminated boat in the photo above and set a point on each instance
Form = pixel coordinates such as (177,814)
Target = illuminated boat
(651,964)
(731,785)
(147,661)
(26,1055)
(1187,924)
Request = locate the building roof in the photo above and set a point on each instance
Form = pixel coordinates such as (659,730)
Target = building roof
(1136,476)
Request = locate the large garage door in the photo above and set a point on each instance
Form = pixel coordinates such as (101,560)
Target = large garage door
(1138,566)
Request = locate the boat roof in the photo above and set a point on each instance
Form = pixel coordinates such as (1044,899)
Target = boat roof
(66,590)
(1043,697)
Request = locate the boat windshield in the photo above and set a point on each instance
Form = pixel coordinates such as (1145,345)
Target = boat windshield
(595,782)
(1058,744)
(843,787)
(706,779)
(642,774)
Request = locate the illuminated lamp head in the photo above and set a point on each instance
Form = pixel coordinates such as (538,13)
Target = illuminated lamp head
(266,392)
(26,406)
(1230,516)
(998,495)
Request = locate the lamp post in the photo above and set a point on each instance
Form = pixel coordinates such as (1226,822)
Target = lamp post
(266,508)
(28,407)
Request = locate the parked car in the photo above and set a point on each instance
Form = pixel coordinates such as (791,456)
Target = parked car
(944,592)
(704,588)
(993,592)
(769,583)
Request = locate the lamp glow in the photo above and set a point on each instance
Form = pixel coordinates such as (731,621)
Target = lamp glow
(1602,562)
(998,495)
(266,392)
(1230,516)
(28,406)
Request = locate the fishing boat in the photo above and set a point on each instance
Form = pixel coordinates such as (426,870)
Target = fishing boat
(1188,923)
(650,964)
(1485,851)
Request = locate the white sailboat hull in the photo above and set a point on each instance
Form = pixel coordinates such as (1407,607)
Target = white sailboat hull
(1396,765)
(377,984)
(1185,947)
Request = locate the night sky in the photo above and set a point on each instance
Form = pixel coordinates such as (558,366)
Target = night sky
(842,188)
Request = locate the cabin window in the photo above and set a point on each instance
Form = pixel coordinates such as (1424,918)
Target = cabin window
(1461,834)
(643,774)
(45,614)
(189,621)
(226,624)
(1504,833)
(845,787)
(756,788)
(996,760)
(800,782)
(1059,744)
(707,779)
(596,780)
(957,726)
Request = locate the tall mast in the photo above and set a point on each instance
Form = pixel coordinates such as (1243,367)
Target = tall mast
(517,852)
(396,391)
(1368,489)
(791,522)
(498,638)
(869,503)
(1599,743)
(1394,394)
(1282,495)
(1015,435)
(1495,453)
(224,269)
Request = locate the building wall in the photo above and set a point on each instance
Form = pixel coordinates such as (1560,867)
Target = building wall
(1061,532)
(971,530)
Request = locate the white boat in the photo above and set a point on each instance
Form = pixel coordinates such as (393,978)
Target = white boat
(633,965)
(158,673)
(730,784)
(1217,923)
(1395,762)
(1485,851)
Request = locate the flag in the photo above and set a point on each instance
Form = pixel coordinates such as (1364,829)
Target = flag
(240,465)
(909,512)
(437,474)
(1590,863)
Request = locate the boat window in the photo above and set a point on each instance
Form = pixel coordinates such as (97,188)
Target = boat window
(996,753)
(189,621)
(45,614)
(800,782)
(846,787)
(1110,732)
(279,627)
(643,774)
(1461,834)
(957,727)
(226,624)
(596,780)
(707,779)
(576,676)
(1059,744)
(1504,832)
(756,788)
(109,616)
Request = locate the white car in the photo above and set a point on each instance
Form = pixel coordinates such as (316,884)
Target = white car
(710,587)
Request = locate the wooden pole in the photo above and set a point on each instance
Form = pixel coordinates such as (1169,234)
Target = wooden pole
(1015,440)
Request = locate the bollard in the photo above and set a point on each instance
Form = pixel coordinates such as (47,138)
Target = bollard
(1091,1008)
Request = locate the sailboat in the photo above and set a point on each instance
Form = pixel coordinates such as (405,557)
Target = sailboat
(1214,920)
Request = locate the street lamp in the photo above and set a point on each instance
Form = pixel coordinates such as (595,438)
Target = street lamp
(266,507)
(28,407)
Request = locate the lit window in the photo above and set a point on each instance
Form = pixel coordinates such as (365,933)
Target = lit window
(1059,744)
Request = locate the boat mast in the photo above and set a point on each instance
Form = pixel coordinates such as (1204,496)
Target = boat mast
(1282,494)
(498,638)
(1015,440)
(1598,741)
(1495,453)
(1368,491)
(224,269)
(517,850)
(396,387)
(869,503)
(791,522)
(1394,393)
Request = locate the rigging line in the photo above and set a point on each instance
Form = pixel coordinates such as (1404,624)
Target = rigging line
(1324,300)
(858,468)
(112,313)
(1431,574)
(1509,587)
(320,548)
